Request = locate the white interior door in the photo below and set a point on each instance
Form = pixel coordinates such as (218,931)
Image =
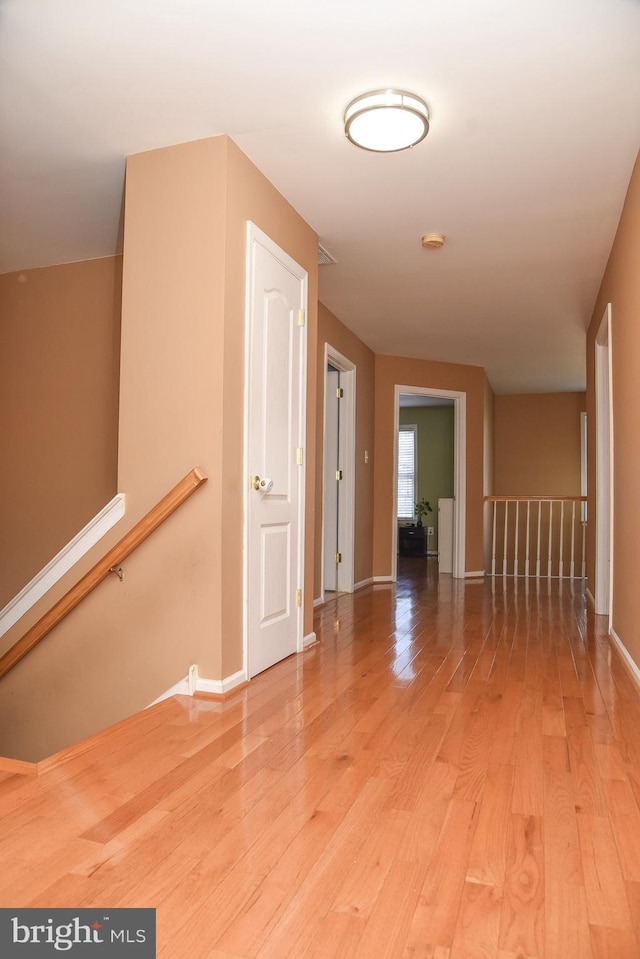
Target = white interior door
(274,457)
(339,459)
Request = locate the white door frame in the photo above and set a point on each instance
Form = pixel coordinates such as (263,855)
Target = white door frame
(256,236)
(329,486)
(459,474)
(604,469)
(347,444)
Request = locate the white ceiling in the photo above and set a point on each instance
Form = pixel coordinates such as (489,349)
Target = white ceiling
(535,124)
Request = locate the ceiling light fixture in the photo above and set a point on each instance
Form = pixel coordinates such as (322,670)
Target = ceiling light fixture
(386,121)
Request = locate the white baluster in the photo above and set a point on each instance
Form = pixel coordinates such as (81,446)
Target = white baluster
(572,568)
(504,554)
(493,540)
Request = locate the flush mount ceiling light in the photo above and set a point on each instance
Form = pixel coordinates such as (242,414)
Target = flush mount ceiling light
(386,121)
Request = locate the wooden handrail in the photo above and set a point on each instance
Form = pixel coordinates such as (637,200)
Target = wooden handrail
(535,498)
(101,570)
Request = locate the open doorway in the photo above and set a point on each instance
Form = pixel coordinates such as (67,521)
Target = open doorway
(425,477)
(407,395)
(338,523)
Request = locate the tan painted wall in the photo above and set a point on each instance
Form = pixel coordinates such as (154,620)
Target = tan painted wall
(171,416)
(59,356)
(537,453)
(333,332)
(181,405)
(537,444)
(621,287)
(392,370)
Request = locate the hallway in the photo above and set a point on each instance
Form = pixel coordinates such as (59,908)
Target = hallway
(452,770)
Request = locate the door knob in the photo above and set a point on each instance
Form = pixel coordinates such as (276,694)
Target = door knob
(263,485)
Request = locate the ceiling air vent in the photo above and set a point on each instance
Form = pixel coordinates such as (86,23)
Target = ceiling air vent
(324,257)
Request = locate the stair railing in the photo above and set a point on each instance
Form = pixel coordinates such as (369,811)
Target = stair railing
(538,536)
(109,563)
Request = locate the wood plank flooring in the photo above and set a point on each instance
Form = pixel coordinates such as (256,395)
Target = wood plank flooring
(451,772)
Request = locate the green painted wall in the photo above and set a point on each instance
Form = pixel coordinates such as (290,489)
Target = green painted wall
(435,457)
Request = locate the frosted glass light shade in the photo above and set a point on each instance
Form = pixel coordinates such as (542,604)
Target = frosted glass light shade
(386,121)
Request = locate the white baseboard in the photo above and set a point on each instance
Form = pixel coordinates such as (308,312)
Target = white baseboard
(383,579)
(308,640)
(221,687)
(363,583)
(68,556)
(193,683)
(474,574)
(179,689)
(628,661)
(590,598)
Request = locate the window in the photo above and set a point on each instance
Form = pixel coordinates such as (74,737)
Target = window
(407,471)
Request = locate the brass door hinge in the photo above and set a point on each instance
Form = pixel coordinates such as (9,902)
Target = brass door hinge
(301,317)
(338,557)
(298,598)
(299,456)
(338,474)
(339,392)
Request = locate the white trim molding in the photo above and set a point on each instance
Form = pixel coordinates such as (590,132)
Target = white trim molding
(626,657)
(221,687)
(309,640)
(194,683)
(604,572)
(363,583)
(178,689)
(68,556)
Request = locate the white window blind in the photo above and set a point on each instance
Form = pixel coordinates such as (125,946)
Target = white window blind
(407,441)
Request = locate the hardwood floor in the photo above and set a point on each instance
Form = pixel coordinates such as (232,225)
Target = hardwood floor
(452,771)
